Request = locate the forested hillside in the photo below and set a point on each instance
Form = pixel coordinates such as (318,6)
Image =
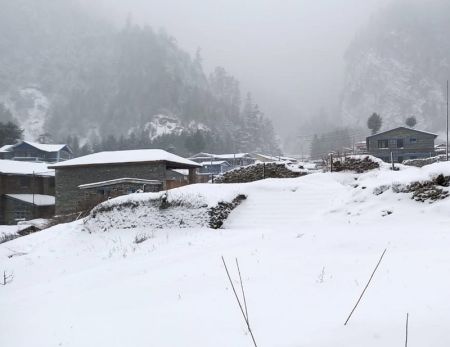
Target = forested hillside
(79,79)
(398,66)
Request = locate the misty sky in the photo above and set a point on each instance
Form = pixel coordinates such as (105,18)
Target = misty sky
(289,53)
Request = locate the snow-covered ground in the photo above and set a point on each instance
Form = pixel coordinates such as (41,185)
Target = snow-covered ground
(306,248)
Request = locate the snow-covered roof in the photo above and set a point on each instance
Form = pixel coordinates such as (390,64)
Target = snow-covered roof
(119,181)
(275,158)
(8,230)
(405,128)
(38,223)
(181,171)
(217,162)
(222,156)
(124,157)
(6,148)
(13,167)
(232,155)
(45,147)
(36,199)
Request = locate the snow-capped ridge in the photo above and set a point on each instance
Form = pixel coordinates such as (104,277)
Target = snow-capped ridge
(161,125)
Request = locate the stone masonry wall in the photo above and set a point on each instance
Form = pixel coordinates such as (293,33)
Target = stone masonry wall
(70,199)
(424,161)
(257,172)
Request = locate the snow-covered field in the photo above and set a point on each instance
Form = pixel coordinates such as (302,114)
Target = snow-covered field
(306,249)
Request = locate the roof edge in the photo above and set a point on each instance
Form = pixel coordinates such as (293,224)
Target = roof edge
(179,165)
(386,131)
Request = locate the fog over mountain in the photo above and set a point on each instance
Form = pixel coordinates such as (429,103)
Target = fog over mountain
(290,54)
(398,66)
(201,75)
(101,86)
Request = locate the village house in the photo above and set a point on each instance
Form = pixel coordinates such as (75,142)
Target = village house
(440,149)
(360,147)
(31,151)
(26,191)
(402,143)
(214,167)
(233,159)
(83,182)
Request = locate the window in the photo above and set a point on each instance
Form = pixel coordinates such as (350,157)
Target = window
(412,140)
(400,143)
(383,144)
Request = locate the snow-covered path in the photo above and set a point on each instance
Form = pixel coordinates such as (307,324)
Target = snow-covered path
(285,206)
(306,248)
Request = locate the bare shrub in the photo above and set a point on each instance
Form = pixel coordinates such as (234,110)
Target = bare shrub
(8,237)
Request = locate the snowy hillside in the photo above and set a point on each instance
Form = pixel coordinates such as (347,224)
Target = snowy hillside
(161,125)
(396,66)
(84,80)
(306,248)
(30,110)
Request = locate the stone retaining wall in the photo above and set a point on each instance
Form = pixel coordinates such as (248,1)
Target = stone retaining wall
(260,171)
(424,161)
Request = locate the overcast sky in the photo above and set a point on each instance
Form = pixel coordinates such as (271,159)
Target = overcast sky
(288,53)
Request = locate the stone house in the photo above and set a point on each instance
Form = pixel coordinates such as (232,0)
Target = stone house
(26,191)
(30,151)
(440,149)
(178,178)
(404,143)
(109,174)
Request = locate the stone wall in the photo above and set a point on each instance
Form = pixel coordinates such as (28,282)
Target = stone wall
(70,199)
(424,161)
(27,211)
(355,164)
(258,172)
(27,184)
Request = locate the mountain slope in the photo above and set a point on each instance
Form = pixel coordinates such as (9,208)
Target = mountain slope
(102,82)
(398,66)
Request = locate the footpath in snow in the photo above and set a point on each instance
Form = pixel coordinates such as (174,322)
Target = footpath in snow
(306,248)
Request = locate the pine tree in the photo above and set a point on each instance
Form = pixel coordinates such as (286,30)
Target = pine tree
(195,142)
(411,122)
(374,123)
(5,114)
(10,133)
